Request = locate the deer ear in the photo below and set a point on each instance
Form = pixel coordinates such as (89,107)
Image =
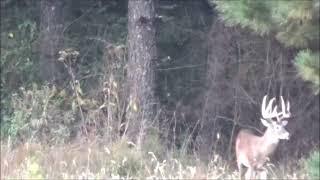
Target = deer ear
(284,123)
(265,122)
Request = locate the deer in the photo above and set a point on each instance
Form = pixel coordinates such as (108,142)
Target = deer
(253,151)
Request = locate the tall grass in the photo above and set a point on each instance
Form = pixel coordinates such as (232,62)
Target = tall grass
(118,160)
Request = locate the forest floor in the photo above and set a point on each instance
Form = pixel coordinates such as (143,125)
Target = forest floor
(120,160)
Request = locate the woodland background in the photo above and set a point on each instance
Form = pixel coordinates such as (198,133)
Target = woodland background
(84,96)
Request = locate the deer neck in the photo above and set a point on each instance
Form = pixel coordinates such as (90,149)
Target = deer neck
(269,142)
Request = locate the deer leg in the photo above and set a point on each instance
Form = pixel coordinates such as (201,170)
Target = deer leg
(262,173)
(240,170)
(249,174)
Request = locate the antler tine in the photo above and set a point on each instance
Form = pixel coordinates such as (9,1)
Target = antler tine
(264,109)
(267,111)
(285,110)
(263,105)
(274,112)
(269,107)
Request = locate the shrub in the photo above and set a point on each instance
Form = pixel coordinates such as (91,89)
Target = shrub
(313,165)
(37,115)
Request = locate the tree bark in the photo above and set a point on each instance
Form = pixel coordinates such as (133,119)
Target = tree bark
(141,55)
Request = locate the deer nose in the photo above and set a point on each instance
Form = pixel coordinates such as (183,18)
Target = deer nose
(287,136)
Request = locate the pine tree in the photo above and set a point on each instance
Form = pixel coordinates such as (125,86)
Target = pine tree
(293,23)
(140,70)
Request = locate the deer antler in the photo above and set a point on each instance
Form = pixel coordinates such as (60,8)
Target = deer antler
(268,113)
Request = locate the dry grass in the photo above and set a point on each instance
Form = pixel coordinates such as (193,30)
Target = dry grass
(93,160)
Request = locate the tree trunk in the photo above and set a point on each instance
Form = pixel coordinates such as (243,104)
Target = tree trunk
(50,38)
(141,55)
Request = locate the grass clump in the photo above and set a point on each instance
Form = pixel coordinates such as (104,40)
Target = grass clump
(126,160)
(33,169)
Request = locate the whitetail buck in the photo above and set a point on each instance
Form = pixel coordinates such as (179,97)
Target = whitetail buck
(253,151)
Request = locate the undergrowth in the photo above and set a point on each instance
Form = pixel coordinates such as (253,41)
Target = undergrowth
(118,160)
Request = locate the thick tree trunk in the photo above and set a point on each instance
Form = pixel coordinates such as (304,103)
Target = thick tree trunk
(50,39)
(141,55)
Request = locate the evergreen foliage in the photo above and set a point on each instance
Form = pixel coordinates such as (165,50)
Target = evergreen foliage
(309,67)
(313,165)
(293,23)
(246,13)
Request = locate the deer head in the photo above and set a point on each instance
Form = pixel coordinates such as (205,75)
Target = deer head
(275,128)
